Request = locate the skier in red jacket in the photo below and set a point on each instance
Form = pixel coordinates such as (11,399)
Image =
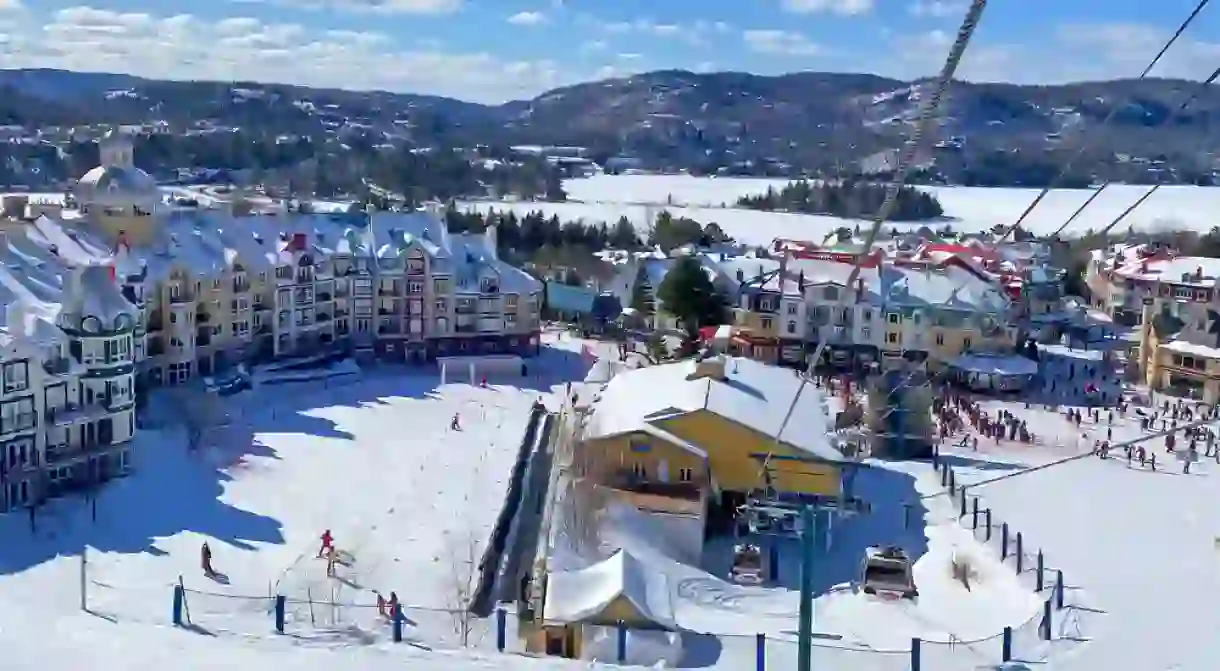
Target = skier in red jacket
(326,543)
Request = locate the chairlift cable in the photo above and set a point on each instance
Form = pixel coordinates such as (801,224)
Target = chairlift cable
(1084,146)
(1097,192)
(929,112)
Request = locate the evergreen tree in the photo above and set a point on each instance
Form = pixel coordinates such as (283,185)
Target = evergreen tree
(642,300)
(688,294)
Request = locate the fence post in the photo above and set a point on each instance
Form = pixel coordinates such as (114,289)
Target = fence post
(974,514)
(397,615)
(178,596)
(1041,567)
(906,516)
(279,612)
(621,642)
(944,475)
(987,519)
(773,560)
(961,512)
(952,481)
(1020,552)
(1059,589)
(1006,650)
(1046,619)
(915,654)
(1004,541)
(760,652)
(501,628)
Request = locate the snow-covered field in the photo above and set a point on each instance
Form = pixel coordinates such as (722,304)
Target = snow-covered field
(372,458)
(639,197)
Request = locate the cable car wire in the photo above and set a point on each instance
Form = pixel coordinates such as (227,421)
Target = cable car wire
(1084,146)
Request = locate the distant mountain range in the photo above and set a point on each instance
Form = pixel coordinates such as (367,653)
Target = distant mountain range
(992,134)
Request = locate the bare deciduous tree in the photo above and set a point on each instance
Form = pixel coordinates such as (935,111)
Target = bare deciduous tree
(462,553)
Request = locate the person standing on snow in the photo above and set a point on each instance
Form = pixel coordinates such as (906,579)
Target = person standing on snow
(327,543)
(205,559)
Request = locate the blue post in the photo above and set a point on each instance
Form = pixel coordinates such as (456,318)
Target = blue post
(501,628)
(1020,552)
(397,616)
(1004,541)
(1041,568)
(621,642)
(987,520)
(760,652)
(1059,589)
(773,559)
(1006,650)
(280,602)
(1046,618)
(178,597)
(915,654)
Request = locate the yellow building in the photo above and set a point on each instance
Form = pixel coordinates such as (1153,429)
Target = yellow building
(1179,366)
(724,424)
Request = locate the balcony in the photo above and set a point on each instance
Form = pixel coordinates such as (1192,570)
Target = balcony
(628,480)
(57,366)
(181,298)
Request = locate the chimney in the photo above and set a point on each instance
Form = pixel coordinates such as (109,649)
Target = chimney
(298,242)
(783,269)
(859,289)
(489,239)
(1144,266)
(1199,272)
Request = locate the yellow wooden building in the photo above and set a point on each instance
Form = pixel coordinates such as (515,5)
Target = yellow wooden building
(715,425)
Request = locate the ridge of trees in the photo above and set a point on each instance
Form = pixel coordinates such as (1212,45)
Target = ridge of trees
(848,199)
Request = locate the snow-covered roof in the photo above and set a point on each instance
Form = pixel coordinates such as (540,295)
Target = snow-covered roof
(753,394)
(1183,347)
(206,242)
(1195,270)
(578,595)
(995,365)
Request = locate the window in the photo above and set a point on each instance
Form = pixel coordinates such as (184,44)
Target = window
(440,305)
(791,326)
(16,376)
(892,338)
(894,317)
(792,308)
(510,303)
(415,287)
(766,305)
(639,470)
(767,323)
(865,332)
(831,293)
(940,338)
(686,475)
(965,344)
(866,315)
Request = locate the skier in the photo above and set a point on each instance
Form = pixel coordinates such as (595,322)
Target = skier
(326,543)
(381,605)
(205,557)
(455,424)
(484,384)
(392,606)
(332,556)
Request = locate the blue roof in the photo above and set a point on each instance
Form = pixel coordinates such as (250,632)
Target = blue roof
(560,296)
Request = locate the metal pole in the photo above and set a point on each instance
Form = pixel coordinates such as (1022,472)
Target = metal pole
(84,577)
(809,535)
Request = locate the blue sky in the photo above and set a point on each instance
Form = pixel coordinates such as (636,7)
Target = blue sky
(494,50)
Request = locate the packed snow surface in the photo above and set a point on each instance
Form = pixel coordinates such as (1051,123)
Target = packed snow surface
(967,209)
(373,458)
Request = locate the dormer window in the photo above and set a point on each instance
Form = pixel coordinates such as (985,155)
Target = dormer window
(489,285)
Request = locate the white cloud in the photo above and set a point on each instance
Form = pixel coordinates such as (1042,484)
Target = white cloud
(694,34)
(189,47)
(594,45)
(527,18)
(840,7)
(11,5)
(779,42)
(940,9)
(372,6)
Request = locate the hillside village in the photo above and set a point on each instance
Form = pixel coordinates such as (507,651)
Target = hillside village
(704,456)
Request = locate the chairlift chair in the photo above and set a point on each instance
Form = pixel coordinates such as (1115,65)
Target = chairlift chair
(886,572)
(747,565)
